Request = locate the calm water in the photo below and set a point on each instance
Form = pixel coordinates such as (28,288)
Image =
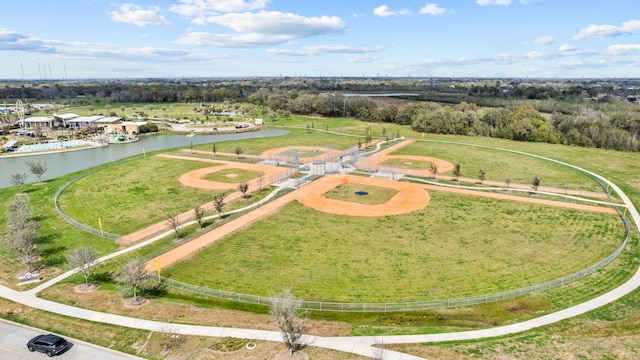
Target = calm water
(63,163)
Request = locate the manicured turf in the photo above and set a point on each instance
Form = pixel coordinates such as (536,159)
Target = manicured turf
(499,165)
(408,164)
(457,246)
(362,194)
(133,195)
(233,176)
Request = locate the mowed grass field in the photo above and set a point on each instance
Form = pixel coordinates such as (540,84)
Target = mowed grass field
(130,196)
(498,165)
(457,246)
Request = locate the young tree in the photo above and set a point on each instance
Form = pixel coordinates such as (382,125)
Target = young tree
(174,222)
(456,171)
(243,187)
(22,230)
(84,259)
(199,212)
(218,203)
(434,169)
(214,149)
(292,321)
(481,175)
(238,151)
(535,183)
(37,168)
(507,182)
(134,275)
(18,180)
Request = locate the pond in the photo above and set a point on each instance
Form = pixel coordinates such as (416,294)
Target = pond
(67,162)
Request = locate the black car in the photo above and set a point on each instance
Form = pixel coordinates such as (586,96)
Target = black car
(49,344)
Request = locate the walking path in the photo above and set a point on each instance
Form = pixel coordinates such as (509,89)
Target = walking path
(360,345)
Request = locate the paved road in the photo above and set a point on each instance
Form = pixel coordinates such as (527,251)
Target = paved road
(14,337)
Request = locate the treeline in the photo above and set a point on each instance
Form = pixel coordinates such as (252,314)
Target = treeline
(609,125)
(590,113)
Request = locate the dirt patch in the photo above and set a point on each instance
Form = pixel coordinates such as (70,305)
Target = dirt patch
(83,288)
(298,355)
(135,303)
(232,175)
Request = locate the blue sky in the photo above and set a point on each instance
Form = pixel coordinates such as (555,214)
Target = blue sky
(78,39)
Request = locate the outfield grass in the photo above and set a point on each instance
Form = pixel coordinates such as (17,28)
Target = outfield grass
(297,137)
(457,246)
(499,165)
(133,195)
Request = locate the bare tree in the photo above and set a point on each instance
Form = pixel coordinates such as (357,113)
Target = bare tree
(22,230)
(18,180)
(292,321)
(507,182)
(243,187)
(214,149)
(218,203)
(535,183)
(83,258)
(239,151)
(199,212)
(174,222)
(134,275)
(260,180)
(482,175)
(434,169)
(37,168)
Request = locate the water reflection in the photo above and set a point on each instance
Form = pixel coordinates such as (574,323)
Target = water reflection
(63,163)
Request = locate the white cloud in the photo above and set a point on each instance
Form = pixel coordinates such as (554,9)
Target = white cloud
(493,2)
(191,8)
(137,15)
(432,9)
(278,23)
(566,48)
(602,31)
(232,40)
(544,40)
(622,49)
(383,11)
(362,59)
(325,49)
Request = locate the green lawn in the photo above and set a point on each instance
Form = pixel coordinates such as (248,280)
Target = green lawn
(129,196)
(499,165)
(408,164)
(349,192)
(233,176)
(457,246)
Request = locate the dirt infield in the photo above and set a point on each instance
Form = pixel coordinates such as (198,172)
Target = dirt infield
(410,197)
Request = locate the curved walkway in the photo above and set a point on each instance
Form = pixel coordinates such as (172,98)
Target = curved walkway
(358,345)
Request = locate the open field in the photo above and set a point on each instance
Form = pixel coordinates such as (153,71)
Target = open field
(457,246)
(499,165)
(130,196)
